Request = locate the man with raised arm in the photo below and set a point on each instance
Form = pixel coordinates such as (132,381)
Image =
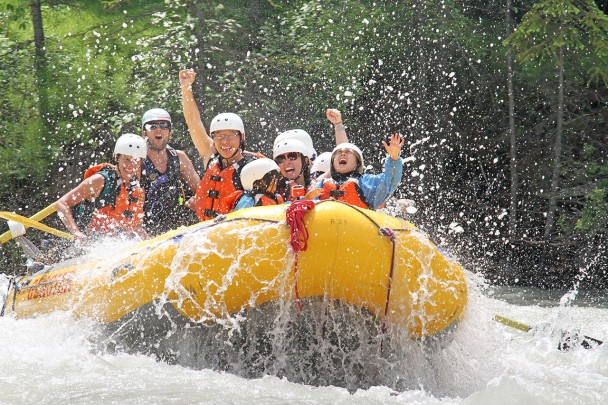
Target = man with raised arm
(222,153)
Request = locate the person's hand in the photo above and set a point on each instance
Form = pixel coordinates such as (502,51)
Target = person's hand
(272,187)
(334,116)
(314,193)
(191,203)
(79,236)
(394,148)
(186,78)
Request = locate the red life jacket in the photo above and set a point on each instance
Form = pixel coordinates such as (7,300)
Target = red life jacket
(348,192)
(215,192)
(124,214)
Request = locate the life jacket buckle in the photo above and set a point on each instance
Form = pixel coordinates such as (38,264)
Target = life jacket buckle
(210,213)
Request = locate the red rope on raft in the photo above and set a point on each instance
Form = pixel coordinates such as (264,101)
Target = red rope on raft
(299,235)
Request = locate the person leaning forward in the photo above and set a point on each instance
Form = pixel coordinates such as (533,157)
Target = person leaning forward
(165,171)
(110,200)
(222,153)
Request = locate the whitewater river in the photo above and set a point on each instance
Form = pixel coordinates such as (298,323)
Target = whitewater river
(51,360)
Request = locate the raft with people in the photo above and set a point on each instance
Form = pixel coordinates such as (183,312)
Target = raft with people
(222,267)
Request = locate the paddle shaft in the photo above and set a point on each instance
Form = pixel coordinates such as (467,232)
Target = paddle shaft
(39,216)
(11,216)
(587,342)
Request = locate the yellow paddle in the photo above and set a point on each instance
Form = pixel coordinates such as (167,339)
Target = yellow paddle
(565,343)
(39,216)
(11,216)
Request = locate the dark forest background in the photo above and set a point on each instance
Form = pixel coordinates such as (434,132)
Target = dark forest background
(503,104)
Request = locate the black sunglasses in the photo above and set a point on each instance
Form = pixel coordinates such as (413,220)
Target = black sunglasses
(291,156)
(153,125)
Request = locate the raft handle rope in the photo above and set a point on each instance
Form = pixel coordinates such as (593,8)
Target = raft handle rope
(299,236)
(388,232)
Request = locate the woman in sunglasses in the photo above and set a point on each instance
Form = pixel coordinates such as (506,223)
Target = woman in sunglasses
(291,155)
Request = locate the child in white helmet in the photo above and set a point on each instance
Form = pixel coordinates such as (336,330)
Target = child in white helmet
(259,179)
(349,184)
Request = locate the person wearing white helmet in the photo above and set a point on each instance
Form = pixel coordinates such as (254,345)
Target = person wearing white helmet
(109,200)
(260,179)
(291,156)
(165,172)
(335,117)
(349,183)
(223,153)
(321,165)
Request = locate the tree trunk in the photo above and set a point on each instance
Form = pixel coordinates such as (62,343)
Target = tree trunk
(40,64)
(512,134)
(557,150)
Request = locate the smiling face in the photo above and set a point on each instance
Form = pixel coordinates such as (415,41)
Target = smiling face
(158,134)
(128,167)
(290,165)
(345,161)
(227,142)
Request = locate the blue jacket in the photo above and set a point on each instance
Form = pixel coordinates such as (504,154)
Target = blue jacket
(377,188)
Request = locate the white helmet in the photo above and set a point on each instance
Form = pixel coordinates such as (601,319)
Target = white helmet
(301,136)
(289,145)
(352,147)
(227,121)
(256,170)
(322,163)
(155,114)
(131,145)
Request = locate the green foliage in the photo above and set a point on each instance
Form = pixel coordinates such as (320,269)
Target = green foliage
(594,217)
(433,70)
(576,26)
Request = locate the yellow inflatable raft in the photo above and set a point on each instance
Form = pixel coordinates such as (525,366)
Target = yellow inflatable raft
(217,268)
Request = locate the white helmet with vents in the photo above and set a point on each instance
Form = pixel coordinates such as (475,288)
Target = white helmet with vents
(227,121)
(131,145)
(301,136)
(256,170)
(289,145)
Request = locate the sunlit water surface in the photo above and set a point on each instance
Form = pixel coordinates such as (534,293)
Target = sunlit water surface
(53,359)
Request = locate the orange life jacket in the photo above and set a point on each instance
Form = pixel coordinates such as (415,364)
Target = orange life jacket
(124,214)
(348,192)
(215,193)
(266,200)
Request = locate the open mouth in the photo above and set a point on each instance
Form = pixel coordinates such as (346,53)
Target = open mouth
(227,149)
(342,161)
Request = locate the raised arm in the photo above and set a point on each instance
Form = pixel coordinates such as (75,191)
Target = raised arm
(196,128)
(335,117)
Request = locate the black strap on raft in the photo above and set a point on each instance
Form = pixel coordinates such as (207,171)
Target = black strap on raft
(210,213)
(336,193)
